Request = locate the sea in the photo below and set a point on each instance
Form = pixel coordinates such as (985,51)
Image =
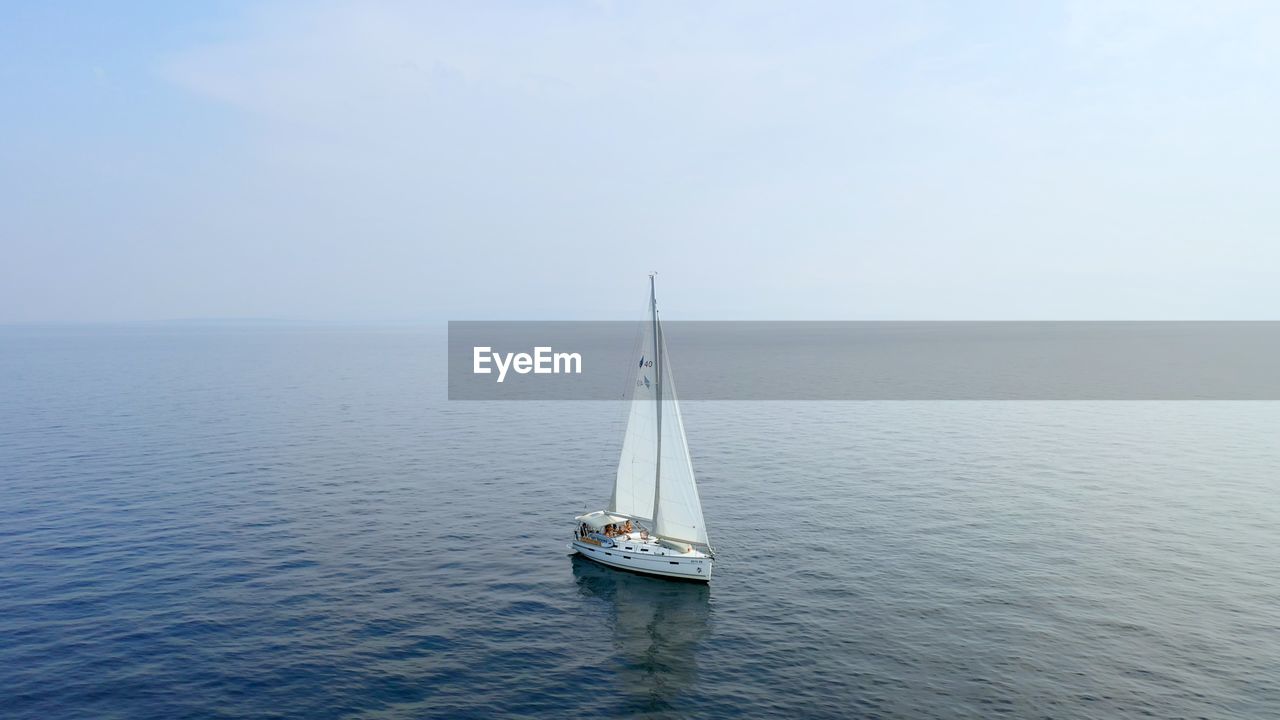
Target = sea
(276,521)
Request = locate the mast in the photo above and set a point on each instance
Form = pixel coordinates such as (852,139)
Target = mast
(657,375)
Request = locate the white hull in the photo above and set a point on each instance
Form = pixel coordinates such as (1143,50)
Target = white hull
(650,558)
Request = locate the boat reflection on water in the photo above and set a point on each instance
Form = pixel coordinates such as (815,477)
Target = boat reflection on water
(657,626)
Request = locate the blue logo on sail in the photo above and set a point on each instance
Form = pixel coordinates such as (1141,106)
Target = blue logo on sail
(646,382)
(641,361)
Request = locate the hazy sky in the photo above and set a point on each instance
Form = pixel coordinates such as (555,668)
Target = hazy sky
(418,162)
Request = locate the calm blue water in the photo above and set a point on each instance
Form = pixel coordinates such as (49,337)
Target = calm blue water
(275,522)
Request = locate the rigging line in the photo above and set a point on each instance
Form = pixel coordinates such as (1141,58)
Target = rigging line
(659,367)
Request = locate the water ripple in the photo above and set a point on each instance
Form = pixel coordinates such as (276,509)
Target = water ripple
(290,523)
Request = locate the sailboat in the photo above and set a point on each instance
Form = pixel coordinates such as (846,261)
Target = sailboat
(653,523)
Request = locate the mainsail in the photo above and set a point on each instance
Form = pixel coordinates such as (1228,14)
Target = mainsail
(655,475)
(634,486)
